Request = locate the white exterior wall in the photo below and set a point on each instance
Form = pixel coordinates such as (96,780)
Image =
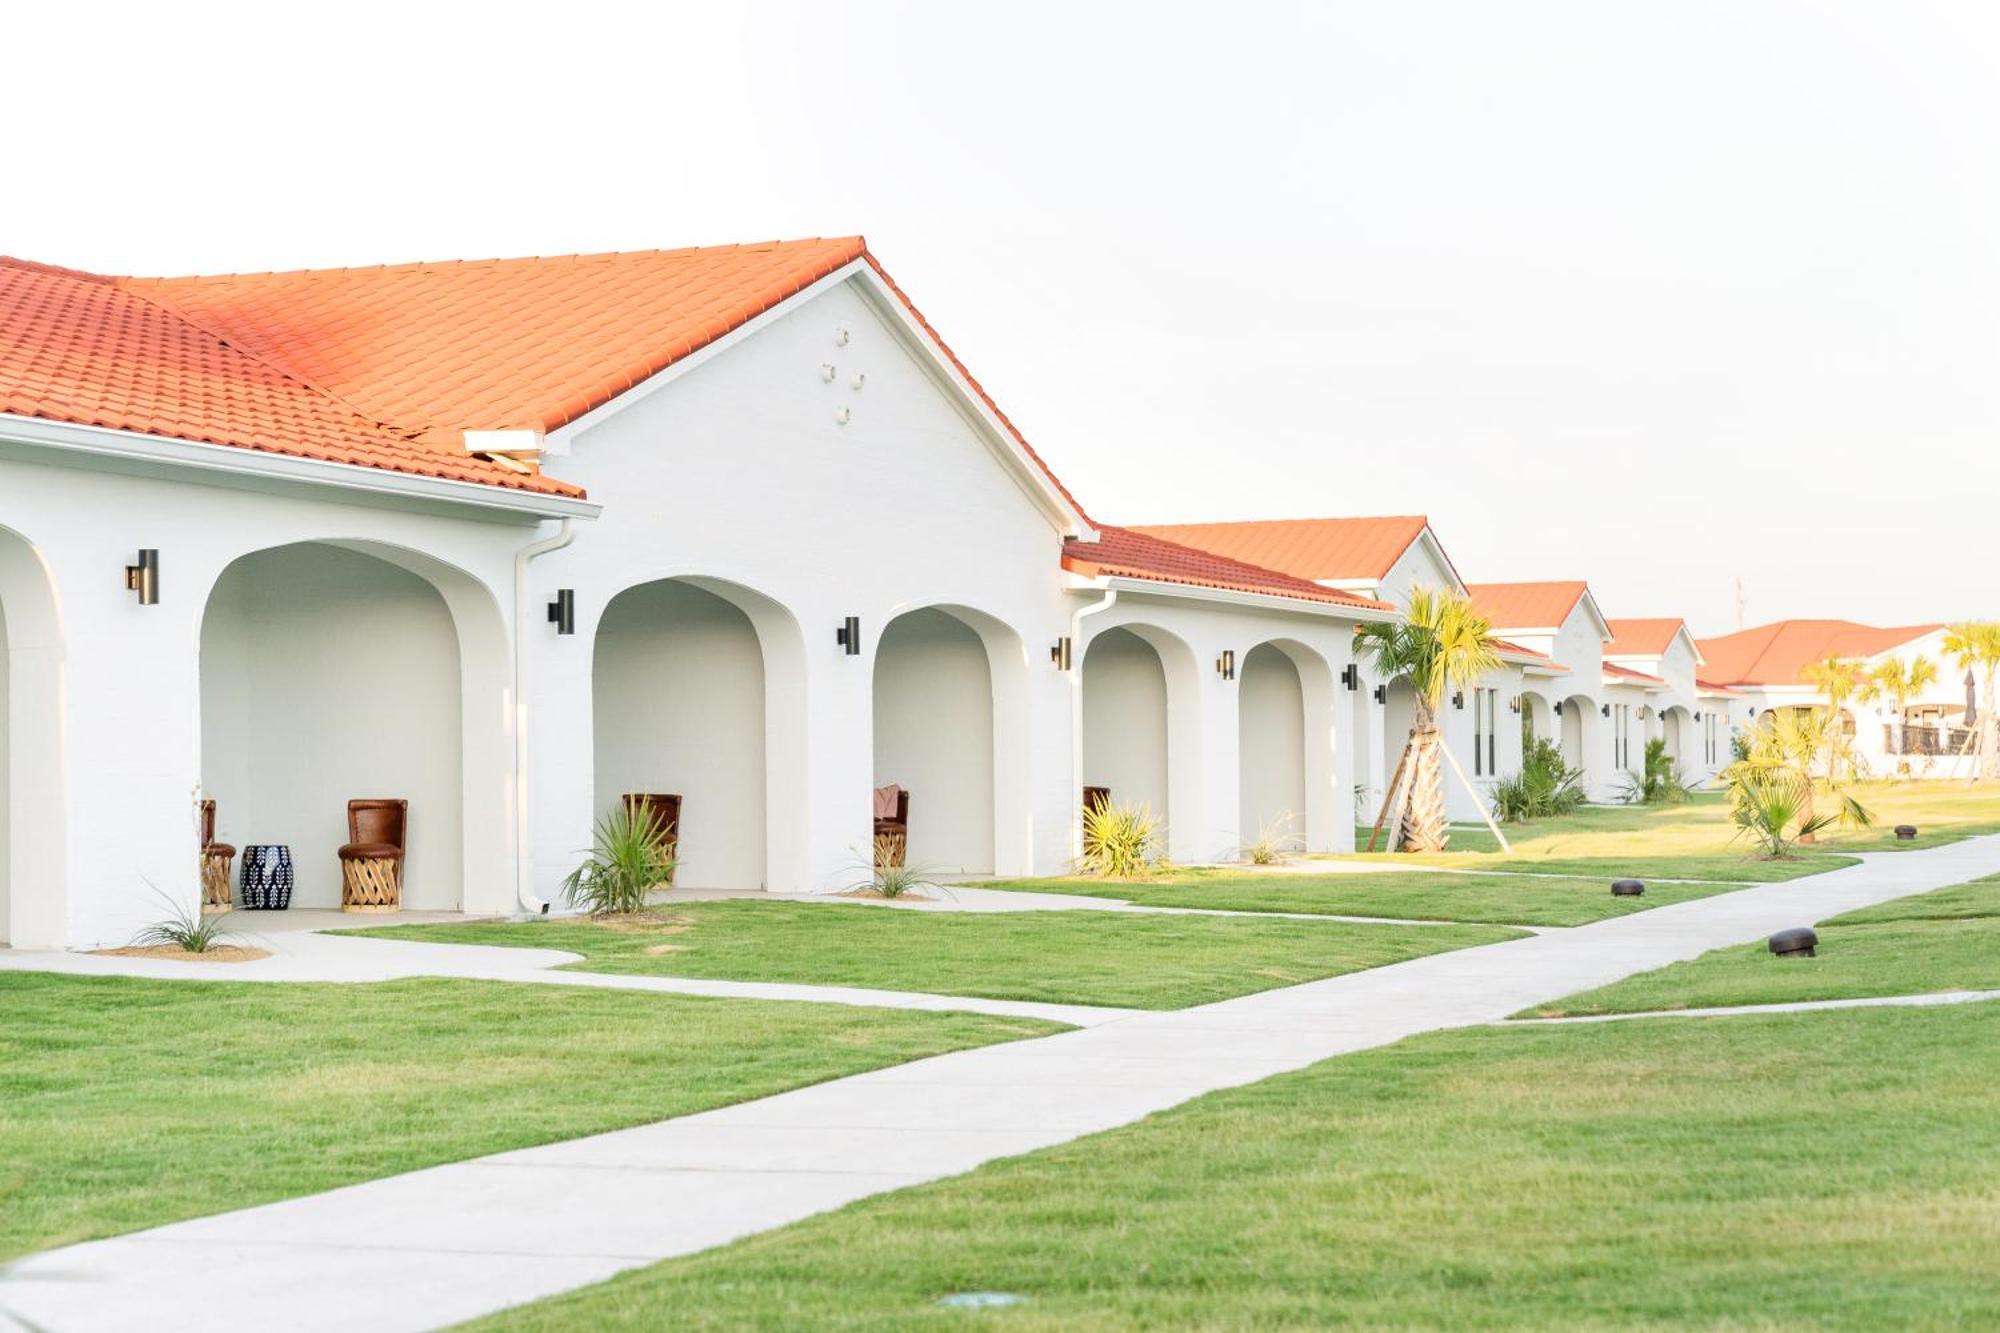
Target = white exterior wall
(1579,645)
(105,720)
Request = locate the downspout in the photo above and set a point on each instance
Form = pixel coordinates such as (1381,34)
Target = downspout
(1109,600)
(524,896)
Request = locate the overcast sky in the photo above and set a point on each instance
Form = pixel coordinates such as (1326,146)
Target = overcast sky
(1651,294)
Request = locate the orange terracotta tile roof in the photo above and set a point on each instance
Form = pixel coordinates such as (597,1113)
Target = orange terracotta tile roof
(1711,687)
(1627,673)
(79,348)
(1518,606)
(1778,653)
(1309,548)
(1126,553)
(1643,638)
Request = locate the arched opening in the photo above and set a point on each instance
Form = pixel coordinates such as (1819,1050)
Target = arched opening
(950,698)
(340,671)
(1676,730)
(1271,746)
(1538,720)
(697,688)
(1576,731)
(1141,733)
(34,907)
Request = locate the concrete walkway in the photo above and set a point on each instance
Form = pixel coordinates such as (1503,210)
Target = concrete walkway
(442,1245)
(1788,1007)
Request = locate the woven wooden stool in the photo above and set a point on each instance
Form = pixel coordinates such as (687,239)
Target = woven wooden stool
(217,859)
(371,864)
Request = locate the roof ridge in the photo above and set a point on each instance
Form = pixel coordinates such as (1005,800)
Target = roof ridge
(409,265)
(1260,522)
(37,266)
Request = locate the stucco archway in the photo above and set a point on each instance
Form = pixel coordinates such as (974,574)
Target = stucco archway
(334,670)
(1286,736)
(1142,728)
(34,904)
(697,690)
(951,728)
(1578,732)
(1538,719)
(1677,731)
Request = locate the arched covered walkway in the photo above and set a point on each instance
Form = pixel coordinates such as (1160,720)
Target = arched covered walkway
(335,670)
(33,781)
(951,728)
(1141,734)
(1285,745)
(697,691)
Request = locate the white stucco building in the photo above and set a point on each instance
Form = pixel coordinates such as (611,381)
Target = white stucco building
(1931,733)
(800,552)
(1658,668)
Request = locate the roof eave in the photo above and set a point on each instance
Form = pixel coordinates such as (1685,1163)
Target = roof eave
(1200,592)
(132,450)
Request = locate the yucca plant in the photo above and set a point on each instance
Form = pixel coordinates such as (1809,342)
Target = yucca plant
(890,874)
(1440,643)
(630,859)
(1275,840)
(1119,840)
(185,928)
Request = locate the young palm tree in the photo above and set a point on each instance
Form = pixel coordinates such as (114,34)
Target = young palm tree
(1975,645)
(1784,754)
(1839,679)
(1440,643)
(1896,682)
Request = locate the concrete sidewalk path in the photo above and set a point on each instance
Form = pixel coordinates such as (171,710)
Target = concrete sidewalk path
(446,1244)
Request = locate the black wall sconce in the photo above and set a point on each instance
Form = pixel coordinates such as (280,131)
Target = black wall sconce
(1060,653)
(1350,676)
(562,611)
(1514,704)
(1697,717)
(1605,709)
(1753,712)
(144,577)
(1458,700)
(1225,665)
(1559,708)
(1381,694)
(848,635)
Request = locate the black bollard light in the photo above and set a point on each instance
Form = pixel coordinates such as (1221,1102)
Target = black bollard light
(1627,888)
(1798,942)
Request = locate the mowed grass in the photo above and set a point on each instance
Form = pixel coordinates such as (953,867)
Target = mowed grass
(1942,941)
(1125,960)
(1696,841)
(1524,1178)
(1528,900)
(128,1103)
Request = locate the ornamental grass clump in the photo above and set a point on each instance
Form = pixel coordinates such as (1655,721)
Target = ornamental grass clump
(1275,840)
(891,876)
(185,928)
(1119,841)
(631,858)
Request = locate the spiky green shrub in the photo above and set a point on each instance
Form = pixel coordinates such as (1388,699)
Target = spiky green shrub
(630,859)
(184,928)
(1545,786)
(1119,840)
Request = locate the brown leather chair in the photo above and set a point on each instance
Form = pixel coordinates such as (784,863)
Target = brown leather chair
(371,864)
(892,834)
(216,860)
(664,808)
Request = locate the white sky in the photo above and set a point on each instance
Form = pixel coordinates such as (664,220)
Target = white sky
(1652,294)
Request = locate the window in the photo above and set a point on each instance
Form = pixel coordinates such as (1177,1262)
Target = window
(1621,736)
(1709,750)
(1485,733)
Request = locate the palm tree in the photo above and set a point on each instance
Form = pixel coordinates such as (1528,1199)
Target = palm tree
(1976,644)
(1783,754)
(1896,682)
(1838,679)
(1440,642)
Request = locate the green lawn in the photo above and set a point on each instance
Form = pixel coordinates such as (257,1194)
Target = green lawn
(1528,900)
(127,1103)
(1521,1178)
(1119,959)
(1695,840)
(1947,940)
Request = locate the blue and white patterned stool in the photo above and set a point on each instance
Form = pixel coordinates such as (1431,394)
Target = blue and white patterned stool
(267,878)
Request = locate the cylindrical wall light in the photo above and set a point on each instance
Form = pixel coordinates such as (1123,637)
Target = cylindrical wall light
(562,611)
(1225,665)
(1350,676)
(848,635)
(1458,700)
(1381,694)
(144,577)
(1060,653)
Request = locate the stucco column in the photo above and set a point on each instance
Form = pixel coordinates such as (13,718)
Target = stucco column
(838,702)
(1205,829)
(562,777)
